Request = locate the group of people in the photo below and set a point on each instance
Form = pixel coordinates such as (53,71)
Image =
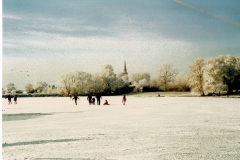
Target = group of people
(90,99)
(98,96)
(9,97)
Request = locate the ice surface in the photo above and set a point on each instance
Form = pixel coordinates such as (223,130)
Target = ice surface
(145,128)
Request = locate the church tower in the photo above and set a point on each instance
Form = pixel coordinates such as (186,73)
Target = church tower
(125,69)
(125,74)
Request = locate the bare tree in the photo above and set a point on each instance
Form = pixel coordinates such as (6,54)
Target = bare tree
(66,84)
(166,75)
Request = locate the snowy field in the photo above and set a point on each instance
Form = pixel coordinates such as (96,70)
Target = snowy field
(145,128)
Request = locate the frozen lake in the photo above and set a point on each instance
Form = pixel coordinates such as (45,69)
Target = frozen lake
(145,128)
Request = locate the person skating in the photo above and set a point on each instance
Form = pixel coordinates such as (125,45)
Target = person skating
(89,98)
(124,100)
(15,99)
(98,96)
(9,97)
(75,97)
(93,101)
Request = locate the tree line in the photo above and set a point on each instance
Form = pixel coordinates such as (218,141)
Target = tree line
(205,76)
(215,74)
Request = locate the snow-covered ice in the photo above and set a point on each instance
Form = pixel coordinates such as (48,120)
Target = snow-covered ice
(145,128)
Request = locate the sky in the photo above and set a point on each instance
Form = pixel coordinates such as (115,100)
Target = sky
(42,40)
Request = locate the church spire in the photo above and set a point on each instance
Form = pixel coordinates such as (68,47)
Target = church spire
(125,68)
(125,74)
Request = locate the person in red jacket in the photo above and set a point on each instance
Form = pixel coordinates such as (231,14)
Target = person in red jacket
(15,99)
(106,103)
(124,100)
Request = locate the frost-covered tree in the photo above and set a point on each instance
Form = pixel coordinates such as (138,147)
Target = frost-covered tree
(79,83)
(97,83)
(180,83)
(123,76)
(10,88)
(222,73)
(40,87)
(154,83)
(143,82)
(3,91)
(66,84)
(237,78)
(135,77)
(166,75)
(109,79)
(83,83)
(196,76)
(147,77)
(140,80)
(122,84)
(51,89)
(29,88)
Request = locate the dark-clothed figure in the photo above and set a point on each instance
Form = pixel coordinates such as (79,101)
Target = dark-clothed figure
(75,97)
(15,99)
(89,98)
(93,101)
(124,99)
(9,97)
(98,96)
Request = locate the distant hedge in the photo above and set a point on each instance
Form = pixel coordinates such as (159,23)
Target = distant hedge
(34,95)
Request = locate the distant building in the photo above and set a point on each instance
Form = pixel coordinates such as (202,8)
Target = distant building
(125,73)
(125,68)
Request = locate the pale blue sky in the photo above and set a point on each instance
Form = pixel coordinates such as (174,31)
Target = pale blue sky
(47,38)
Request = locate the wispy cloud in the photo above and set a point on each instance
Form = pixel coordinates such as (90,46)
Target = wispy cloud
(14,17)
(132,44)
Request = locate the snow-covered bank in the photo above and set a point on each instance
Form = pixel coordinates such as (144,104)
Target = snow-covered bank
(145,128)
